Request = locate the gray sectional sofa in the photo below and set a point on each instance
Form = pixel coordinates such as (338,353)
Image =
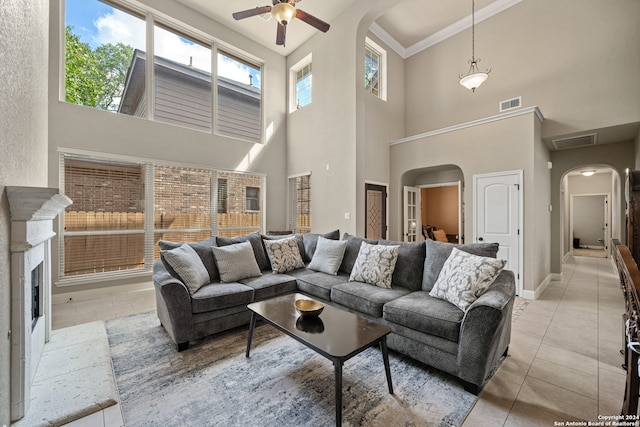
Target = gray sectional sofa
(466,343)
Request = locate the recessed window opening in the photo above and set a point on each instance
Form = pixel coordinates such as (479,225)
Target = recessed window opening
(301,84)
(375,64)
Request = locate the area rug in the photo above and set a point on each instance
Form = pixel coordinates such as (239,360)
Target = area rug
(283,383)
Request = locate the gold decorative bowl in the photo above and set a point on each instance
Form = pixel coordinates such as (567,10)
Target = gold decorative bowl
(307,307)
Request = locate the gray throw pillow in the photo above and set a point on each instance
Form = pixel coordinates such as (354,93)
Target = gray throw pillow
(202,248)
(310,241)
(464,277)
(236,262)
(410,264)
(328,255)
(283,254)
(438,252)
(375,264)
(187,264)
(256,243)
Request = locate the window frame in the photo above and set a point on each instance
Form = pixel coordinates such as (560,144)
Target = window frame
(293,80)
(153,18)
(382,68)
(294,201)
(149,230)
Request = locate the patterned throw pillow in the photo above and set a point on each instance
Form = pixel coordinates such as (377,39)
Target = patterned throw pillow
(284,254)
(375,264)
(236,262)
(186,262)
(464,277)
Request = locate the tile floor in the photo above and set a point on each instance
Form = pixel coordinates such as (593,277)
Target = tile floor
(564,359)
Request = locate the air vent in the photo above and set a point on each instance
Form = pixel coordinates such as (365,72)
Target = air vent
(574,141)
(510,104)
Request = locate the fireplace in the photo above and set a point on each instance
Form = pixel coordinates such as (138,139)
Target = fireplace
(32,211)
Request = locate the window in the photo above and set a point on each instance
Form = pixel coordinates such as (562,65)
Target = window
(105,58)
(104,227)
(253,198)
(300,203)
(109,228)
(301,78)
(239,110)
(182,80)
(98,54)
(222,196)
(375,62)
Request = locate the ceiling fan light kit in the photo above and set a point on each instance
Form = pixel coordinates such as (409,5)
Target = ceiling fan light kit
(284,11)
(474,77)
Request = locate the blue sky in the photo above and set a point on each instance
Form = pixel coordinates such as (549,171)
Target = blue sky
(97,23)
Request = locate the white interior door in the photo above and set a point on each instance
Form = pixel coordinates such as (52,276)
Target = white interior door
(412,221)
(498,216)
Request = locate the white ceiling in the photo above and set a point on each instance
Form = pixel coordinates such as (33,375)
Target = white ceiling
(409,23)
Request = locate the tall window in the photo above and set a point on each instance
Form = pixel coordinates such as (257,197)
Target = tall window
(375,62)
(300,203)
(239,112)
(105,56)
(182,77)
(109,228)
(100,42)
(301,78)
(104,227)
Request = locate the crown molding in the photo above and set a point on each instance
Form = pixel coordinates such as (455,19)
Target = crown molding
(473,123)
(453,29)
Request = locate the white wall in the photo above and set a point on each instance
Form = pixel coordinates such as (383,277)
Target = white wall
(23,136)
(84,128)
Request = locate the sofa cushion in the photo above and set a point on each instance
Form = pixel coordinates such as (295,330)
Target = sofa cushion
(202,248)
(352,251)
(187,264)
(365,298)
(438,252)
(464,277)
(284,254)
(422,312)
(328,255)
(310,240)
(236,262)
(375,265)
(256,243)
(217,296)
(270,285)
(410,264)
(320,284)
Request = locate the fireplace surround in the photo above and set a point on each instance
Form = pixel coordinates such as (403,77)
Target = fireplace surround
(33,210)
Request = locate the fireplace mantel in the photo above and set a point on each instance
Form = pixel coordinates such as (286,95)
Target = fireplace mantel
(32,210)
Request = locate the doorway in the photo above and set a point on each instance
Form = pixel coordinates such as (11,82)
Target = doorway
(375,208)
(589,224)
(440,210)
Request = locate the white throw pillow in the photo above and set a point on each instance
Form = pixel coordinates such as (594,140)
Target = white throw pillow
(236,262)
(464,277)
(328,255)
(283,254)
(375,264)
(185,261)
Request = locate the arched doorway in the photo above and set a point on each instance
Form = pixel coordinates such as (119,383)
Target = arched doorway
(591,198)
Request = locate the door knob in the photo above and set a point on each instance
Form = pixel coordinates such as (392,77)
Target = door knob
(480,239)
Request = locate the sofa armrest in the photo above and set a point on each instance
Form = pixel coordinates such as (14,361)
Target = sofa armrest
(173,304)
(485,332)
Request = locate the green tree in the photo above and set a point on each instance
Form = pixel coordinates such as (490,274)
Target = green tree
(95,77)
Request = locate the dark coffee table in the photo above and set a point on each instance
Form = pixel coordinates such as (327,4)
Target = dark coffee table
(336,334)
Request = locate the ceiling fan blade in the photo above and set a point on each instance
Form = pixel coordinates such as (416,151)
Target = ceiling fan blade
(312,20)
(251,12)
(281,34)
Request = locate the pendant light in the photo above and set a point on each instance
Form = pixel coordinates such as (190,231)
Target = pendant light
(474,77)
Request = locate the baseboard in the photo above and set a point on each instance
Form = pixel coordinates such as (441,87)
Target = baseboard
(535,294)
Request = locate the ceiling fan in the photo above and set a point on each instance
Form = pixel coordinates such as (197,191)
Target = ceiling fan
(284,11)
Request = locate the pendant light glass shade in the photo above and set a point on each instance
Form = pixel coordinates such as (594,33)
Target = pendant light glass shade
(283,12)
(474,77)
